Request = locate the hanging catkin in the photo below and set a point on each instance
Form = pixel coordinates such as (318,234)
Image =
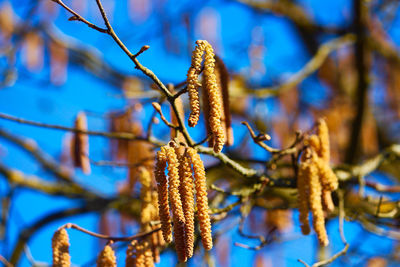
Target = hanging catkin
(214,97)
(176,202)
(193,83)
(315,201)
(60,246)
(323,134)
(80,144)
(186,190)
(201,198)
(162,189)
(303,191)
(107,257)
(211,89)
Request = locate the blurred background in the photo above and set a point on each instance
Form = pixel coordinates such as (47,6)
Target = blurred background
(289,63)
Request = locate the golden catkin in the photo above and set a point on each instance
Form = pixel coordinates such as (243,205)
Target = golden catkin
(323,134)
(186,190)
(107,257)
(315,195)
(193,83)
(80,144)
(201,198)
(327,201)
(140,256)
(148,255)
(222,75)
(314,142)
(162,189)
(214,97)
(176,202)
(60,246)
(328,178)
(303,191)
(146,197)
(130,260)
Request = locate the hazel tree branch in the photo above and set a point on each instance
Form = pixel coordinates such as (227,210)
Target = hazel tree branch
(110,238)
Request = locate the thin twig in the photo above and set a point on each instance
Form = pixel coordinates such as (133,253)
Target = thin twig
(79,17)
(113,135)
(111,238)
(157,108)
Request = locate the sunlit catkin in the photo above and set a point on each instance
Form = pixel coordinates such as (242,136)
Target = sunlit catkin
(162,189)
(193,83)
(60,246)
(214,97)
(148,255)
(176,202)
(303,191)
(186,190)
(107,257)
(201,198)
(323,134)
(315,201)
(328,178)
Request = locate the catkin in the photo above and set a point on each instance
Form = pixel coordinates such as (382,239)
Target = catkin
(60,246)
(80,144)
(222,75)
(148,255)
(176,202)
(107,257)
(162,189)
(327,201)
(193,83)
(201,198)
(323,134)
(214,95)
(328,178)
(315,195)
(186,190)
(314,142)
(303,191)
(146,197)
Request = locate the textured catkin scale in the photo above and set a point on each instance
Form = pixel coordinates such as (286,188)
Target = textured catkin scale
(162,189)
(186,190)
(327,201)
(303,190)
(314,142)
(327,177)
(193,83)
(148,255)
(214,97)
(323,134)
(60,246)
(201,198)
(107,257)
(140,256)
(316,204)
(130,259)
(176,202)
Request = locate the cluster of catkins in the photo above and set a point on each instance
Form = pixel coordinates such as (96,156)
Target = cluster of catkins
(176,191)
(215,95)
(138,254)
(315,182)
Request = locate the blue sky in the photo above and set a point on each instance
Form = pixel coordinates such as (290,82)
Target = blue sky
(30,99)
